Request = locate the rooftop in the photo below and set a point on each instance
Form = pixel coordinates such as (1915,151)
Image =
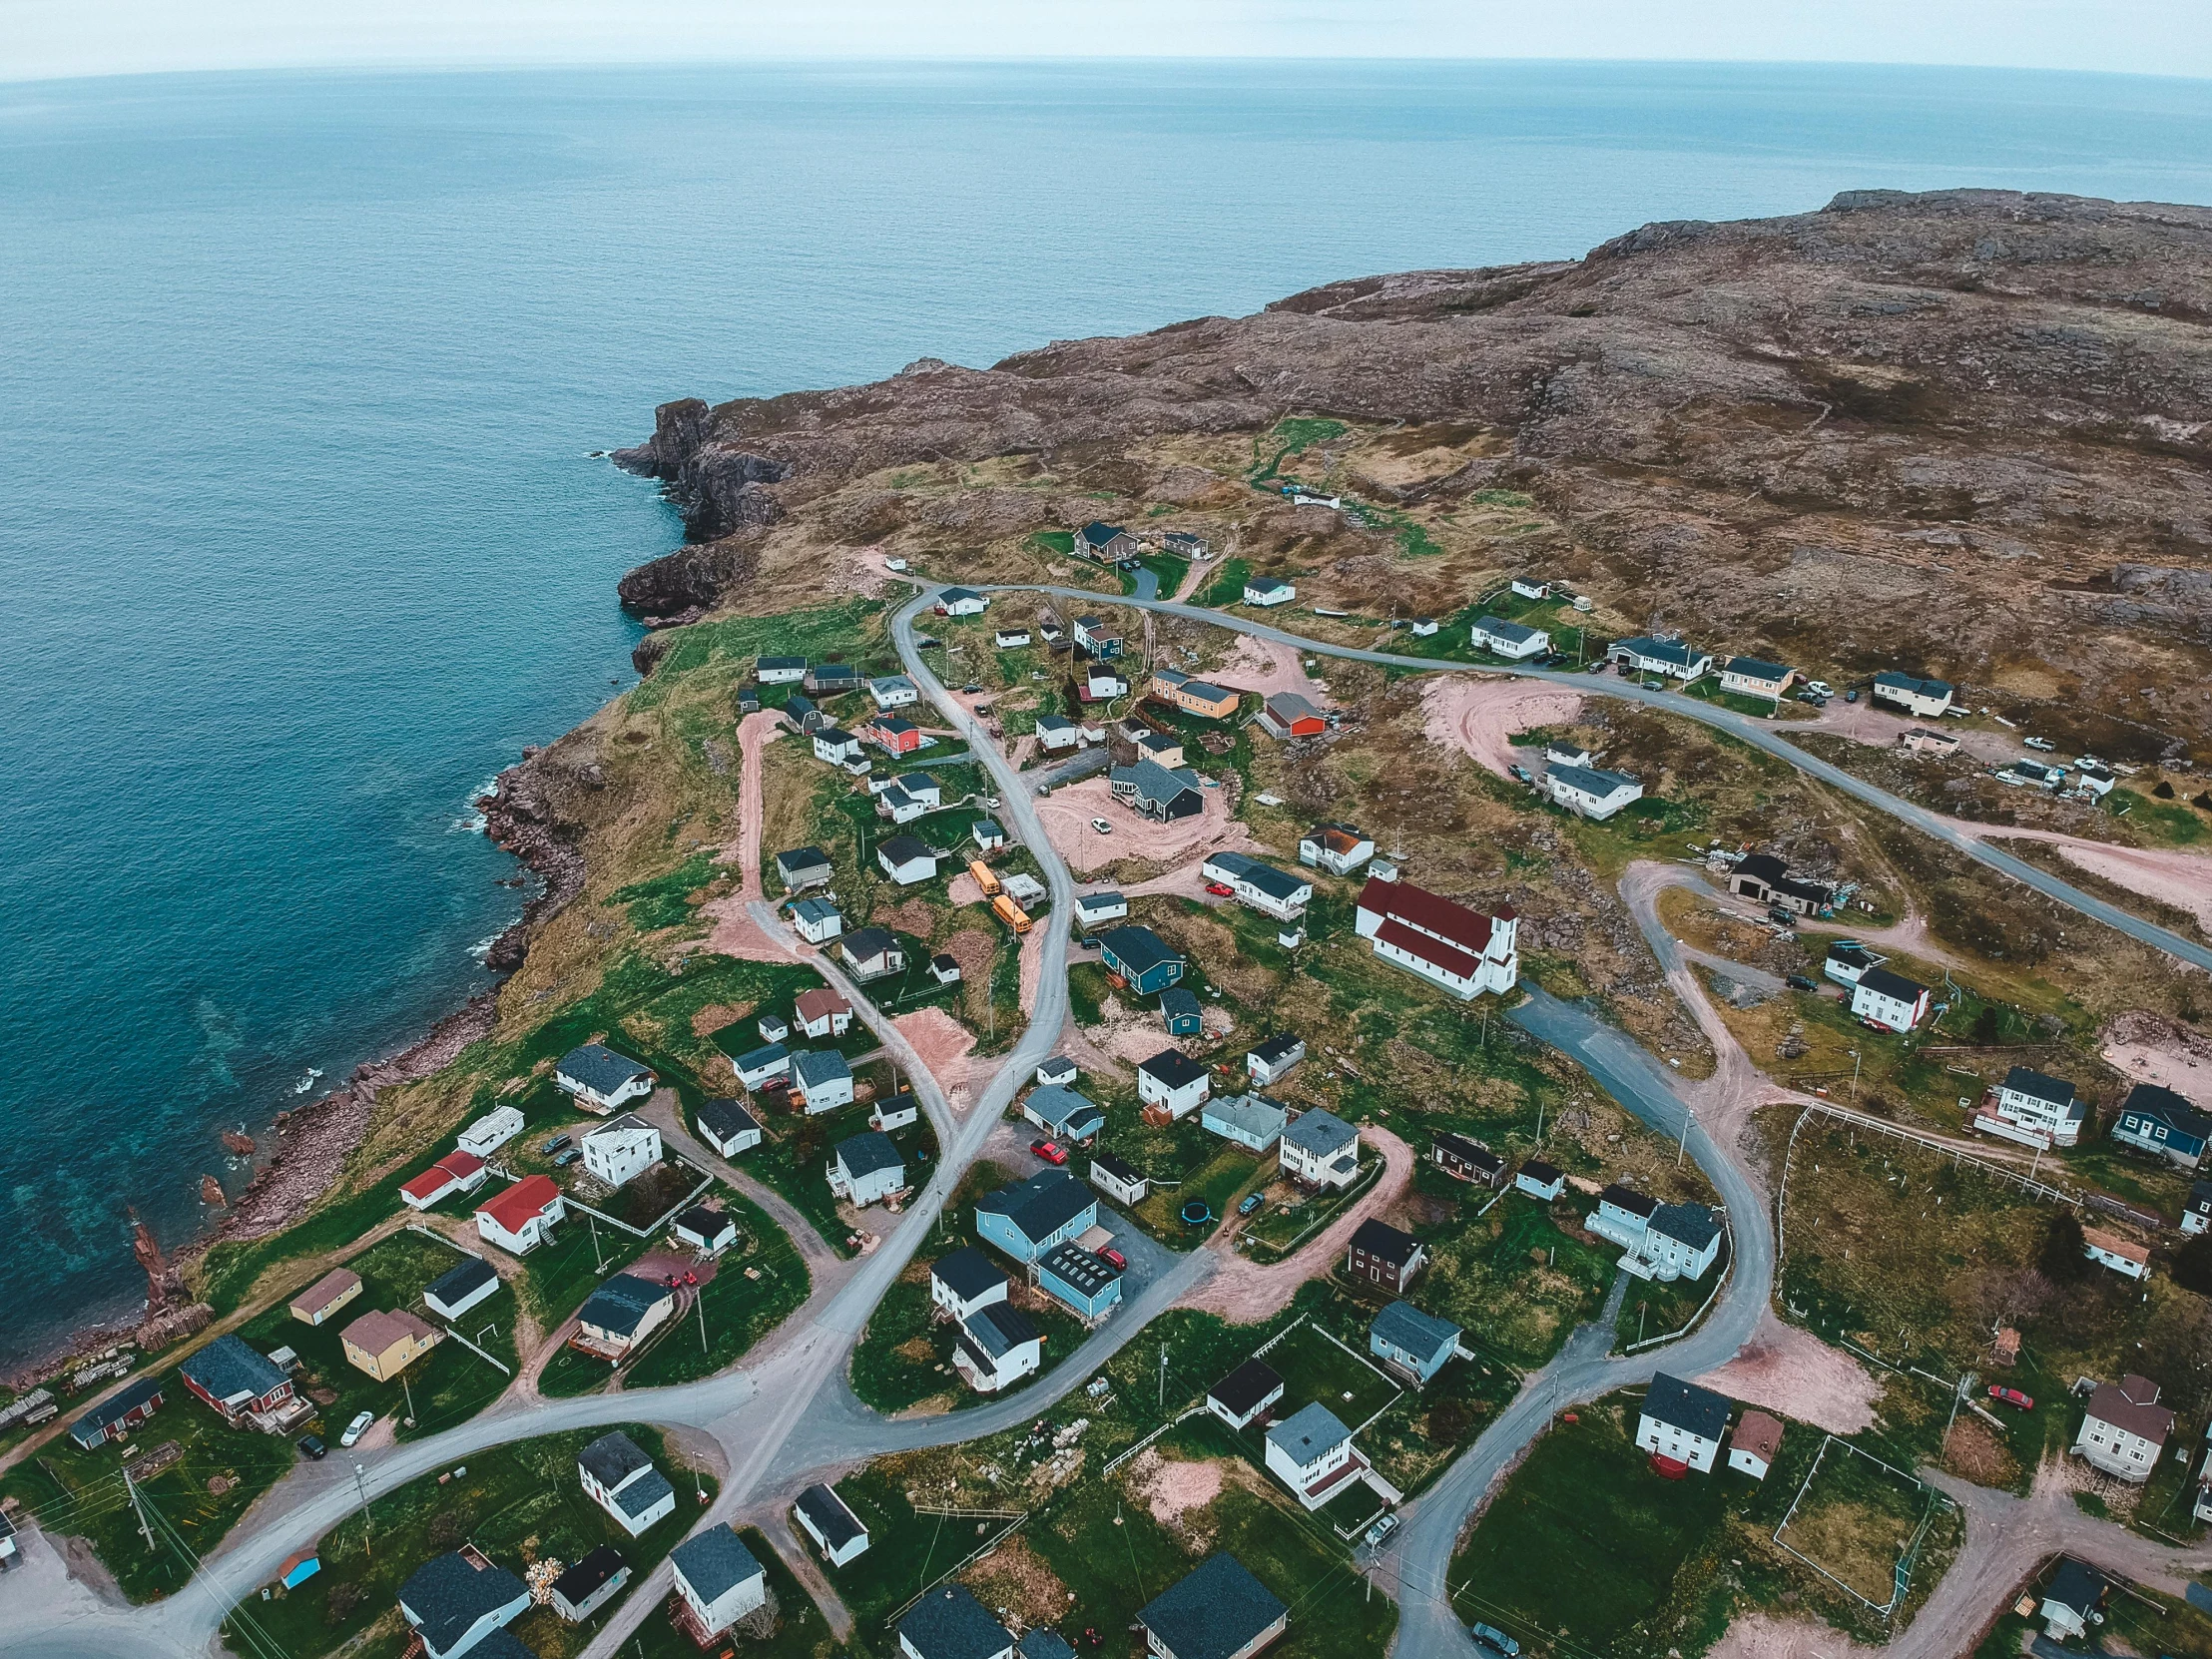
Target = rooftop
(1242,1391)
(967,1274)
(715,1562)
(1319,1133)
(1217,1610)
(1041,1205)
(838,1524)
(620,1305)
(600,1069)
(1308,1434)
(613,1459)
(1687,1406)
(950,1623)
(1406,1327)
(870,1153)
(1380,1239)
(1173,1068)
(1137,950)
(448,1593)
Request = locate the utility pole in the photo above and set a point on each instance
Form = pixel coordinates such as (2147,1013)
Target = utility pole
(407,1388)
(360,1484)
(591,1222)
(1539,1120)
(1682,1151)
(1855,1076)
(1163,1376)
(145,1531)
(701,1301)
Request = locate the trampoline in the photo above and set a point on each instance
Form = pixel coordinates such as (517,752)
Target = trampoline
(1197,1213)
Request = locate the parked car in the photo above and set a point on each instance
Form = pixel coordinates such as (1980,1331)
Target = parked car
(1107,1253)
(1521,772)
(554,1145)
(1781,918)
(1802,983)
(1382,1529)
(1102,827)
(1221,889)
(1252,1202)
(1488,1635)
(2043,743)
(568,1157)
(1050,1150)
(2011,1396)
(356,1428)
(1852,695)
(1819,688)
(310,1446)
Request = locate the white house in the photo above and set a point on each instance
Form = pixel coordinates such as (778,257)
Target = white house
(600,1079)
(1246,1394)
(1173,1081)
(727,1127)
(1589,793)
(1119,1179)
(1527,587)
(1054,732)
(821,1012)
(1102,684)
(834,1528)
(1560,753)
(1095,909)
(1676,659)
(453,1603)
(1754,1443)
(1925,698)
(1445,944)
(907,860)
(1320,1150)
(621,1479)
(1515,640)
(837,745)
(1273,1058)
(2044,1108)
(1621,1215)
(1680,1241)
(872,953)
(898,804)
(1009,639)
(1682,1421)
(1311,1452)
(2124,1429)
(961,602)
(1848,961)
(822,1078)
(523,1217)
(1750,677)
(1540,1180)
(996,1345)
(1267,591)
(1259,887)
(2075,1599)
(618,1151)
(1058,1070)
(1889,1001)
(780,671)
(895,1112)
(966,1280)
(1339,849)
(866,1169)
(717,1578)
(762,1065)
(894,690)
(816,920)
(2196,1215)
(2130,1261)
(1251,1121)
(491,1131)
(708,1230)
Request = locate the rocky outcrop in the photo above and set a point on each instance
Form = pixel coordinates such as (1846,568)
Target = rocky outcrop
(678,586)
(522,815)
(718,490)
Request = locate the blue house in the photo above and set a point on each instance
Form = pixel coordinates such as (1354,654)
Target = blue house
(2158,1120)
(1089,1284)
(1413,1341)
(1180,1010)
(1142,957)
(1027,1219)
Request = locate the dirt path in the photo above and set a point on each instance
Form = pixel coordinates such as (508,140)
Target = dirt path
(775,1524)
(1794,1373)
(1479,716)
(1268,667)
(822,1261)
(733,932)
(1068,810)
(1245,1293)
(1032,969)
(1193,579)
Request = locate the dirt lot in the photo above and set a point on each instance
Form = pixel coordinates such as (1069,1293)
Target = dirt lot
(1170,1489)
(1268,667)
(1245,1293)
(2182,879)
(943,1045)
(1480,717)
(1067,814)
(2154,1050)
(1794,1373)
(1762,1636)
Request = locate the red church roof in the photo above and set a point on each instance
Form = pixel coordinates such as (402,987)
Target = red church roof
(1426,913)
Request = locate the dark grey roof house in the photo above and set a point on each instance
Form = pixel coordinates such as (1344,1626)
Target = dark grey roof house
(453,1603)
(1219,1611)
(950,1623)
(590,1584)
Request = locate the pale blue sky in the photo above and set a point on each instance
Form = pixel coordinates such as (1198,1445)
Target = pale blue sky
(44,38)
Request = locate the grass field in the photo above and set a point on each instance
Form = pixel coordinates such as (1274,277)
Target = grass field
(740,1311)
(905,1355)
(517,1504)
(1855,1519)
(448,1385)
(1314,1368)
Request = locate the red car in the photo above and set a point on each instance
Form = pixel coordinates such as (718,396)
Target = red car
(2012,1397)
(1050,1150)
(1107,1253)
(1221,889)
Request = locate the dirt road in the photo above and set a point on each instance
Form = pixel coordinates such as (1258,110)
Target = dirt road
(733,931)
(1245,1292)
(1480,718)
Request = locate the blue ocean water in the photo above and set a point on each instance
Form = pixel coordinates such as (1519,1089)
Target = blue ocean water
(300,540)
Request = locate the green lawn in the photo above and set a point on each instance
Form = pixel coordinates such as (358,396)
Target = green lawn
(517,1504)
(448,1385)
(1227,587)
(1515,1280)
(740,1311)
(906,1357)
(1315,1368)
(219,1473)
(1220,1176)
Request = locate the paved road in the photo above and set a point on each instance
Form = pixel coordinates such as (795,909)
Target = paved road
(1419,1557)
(1758,733)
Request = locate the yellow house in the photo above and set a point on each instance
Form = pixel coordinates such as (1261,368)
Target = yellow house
(326,1296)
(384,1344)
(1196,697)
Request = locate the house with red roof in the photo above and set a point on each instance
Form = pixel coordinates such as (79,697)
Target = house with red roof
(523,1217)
(456,1172)
(1447,944)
